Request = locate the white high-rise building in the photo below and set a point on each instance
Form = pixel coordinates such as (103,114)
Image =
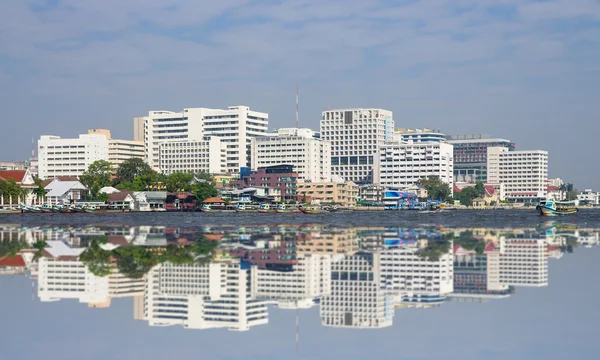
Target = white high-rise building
(193,156)
(519,261)
(402,165)
(121,150)
(70,157)
(524,173)
(169,302)
(355,136)
(302,148)
(405,136)
(235,125)
(357,299)
(307,281)
(403,271)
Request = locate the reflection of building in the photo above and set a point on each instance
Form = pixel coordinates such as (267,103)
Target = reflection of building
(234,308)
(474,280)
(357,299)
(416,279)
(520,260)
(329,242)
(297,286)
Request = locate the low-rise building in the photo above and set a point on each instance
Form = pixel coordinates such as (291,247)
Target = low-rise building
(302,148)
(345,193)
(371,193)
(494,192)
(282,177)
(13,165)
(588,196)
(64,192)
(24,180)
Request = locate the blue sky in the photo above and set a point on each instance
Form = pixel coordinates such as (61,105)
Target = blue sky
(555,322)
(519,69)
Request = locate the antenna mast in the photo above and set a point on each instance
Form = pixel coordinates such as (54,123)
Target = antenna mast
(296,105)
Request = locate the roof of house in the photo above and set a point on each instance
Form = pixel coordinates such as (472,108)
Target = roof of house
(489,189)
(58,249)
(456,189)
(59,178)
(552,188)
(16,175)
(211,200)
(59,188)
(12,261)
(119,196)
(489,247)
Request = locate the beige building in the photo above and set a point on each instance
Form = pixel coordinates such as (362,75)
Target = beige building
(139,128)
(120,150)
(329,242)
(329,192)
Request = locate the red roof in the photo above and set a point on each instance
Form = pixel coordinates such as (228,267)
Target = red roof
(456,247)
(213,200)
(16,175)
(550,248)
(489,247)
(456,189)
(15,261)
(552,188)
(489,189)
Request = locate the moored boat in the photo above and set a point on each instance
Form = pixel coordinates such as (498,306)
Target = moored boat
(242,208)
(556,208)
(283,209)
(47,208)
(266,209)
(312,210)
(206,208)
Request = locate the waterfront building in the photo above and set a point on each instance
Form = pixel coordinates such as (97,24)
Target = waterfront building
(282,177)
(470,155)
(194,308)
(587,196)
(24,179)
(70,157)
(302,148)
(424,135)
(403,165)
(524,173)
(355,136)
(193,156)
(235,125)
(357,299)
(494,192)
(13,165)
(345,193)
(371,193)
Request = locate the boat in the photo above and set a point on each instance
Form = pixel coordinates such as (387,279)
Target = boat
(242,208)
(282,209)
(556,208)
(89,209)
(266,209)
(206,208)
(312,210)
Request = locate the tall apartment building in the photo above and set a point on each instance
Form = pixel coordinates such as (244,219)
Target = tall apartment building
(302,148)
(402,165)
(403,271)
(139,128)
(235,125)
(425,135)
(193,156)
(306,281)
(355,136)
(520,260)
(120,150)
(70,157)
(524,173)
(169,301)
(357,299)
(470,155)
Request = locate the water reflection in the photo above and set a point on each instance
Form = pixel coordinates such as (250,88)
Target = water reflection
(227,276)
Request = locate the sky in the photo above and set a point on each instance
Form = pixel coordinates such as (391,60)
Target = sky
(526,70)
(554,322)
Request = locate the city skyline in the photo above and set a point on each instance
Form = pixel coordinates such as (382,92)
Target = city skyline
(516,70)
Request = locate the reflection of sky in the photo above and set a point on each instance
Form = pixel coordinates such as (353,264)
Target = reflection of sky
(555,322)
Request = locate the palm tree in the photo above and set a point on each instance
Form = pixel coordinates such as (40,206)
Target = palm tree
(562,188)
(40,191)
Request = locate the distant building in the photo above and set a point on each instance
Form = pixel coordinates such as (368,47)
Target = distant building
(425,135)
(310,155)
(403,165)
(139,128)
(371,193)
(70,157)
(470,155)
(345,194)
(235,125)
(519,260)
(193,156)
(589,196)
(13,165)
(355,136)
(120,150)
(524,173)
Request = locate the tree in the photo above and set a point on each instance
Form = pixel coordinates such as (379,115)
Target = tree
(436,188)
(134,261)
(40,246)
(9,189)
(571,192)
(178,255)
(96,259)
(204,190)
(203,175)
(131,168)
(480,189)
(39,191)
(466,195)
(434,250)
(179,181)
(96,177)
(563,190)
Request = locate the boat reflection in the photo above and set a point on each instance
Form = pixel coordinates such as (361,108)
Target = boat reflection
(228,276)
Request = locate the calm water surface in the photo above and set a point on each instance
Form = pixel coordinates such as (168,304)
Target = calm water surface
(390,285)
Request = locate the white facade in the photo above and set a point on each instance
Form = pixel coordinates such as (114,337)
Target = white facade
(357,299)
(355,136)
(14,165)
(407,136)
(308,280)
(235,125)
(521,261)
(70,279)
(70,157)
(193,156)
(404,272)
(590,196)
(166,304)
(310,156)
(402,165)
(524,173)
